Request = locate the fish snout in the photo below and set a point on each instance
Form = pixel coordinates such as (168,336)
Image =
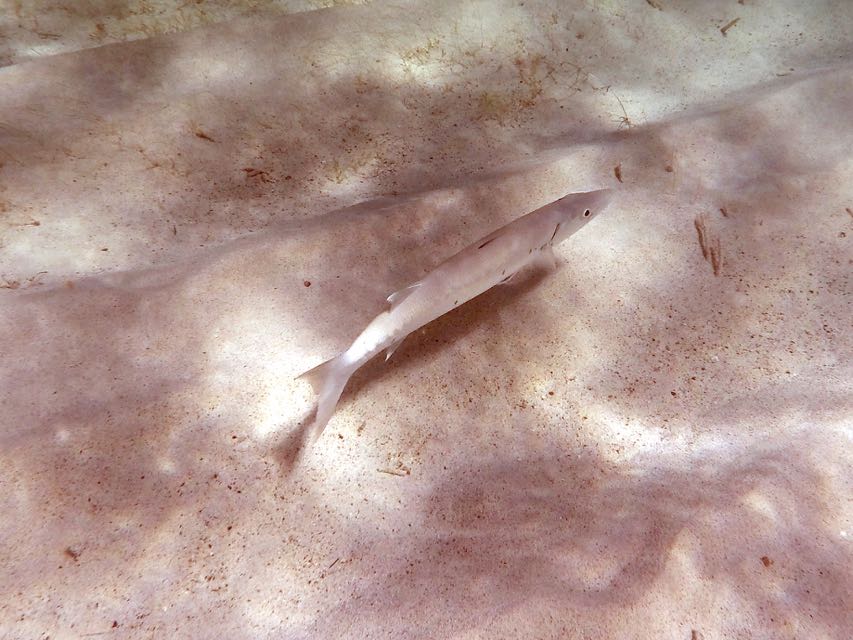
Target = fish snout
(596,202)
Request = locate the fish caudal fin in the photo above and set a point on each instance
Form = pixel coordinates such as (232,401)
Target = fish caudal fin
(328,381)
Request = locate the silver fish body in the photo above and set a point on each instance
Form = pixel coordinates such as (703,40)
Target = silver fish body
(474,270)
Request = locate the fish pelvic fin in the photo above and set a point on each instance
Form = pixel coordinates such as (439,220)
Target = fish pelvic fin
(328,380)
(390,351)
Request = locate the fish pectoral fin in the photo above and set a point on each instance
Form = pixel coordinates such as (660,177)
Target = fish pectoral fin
(546,258)
(398,296)
(393,348)
(509,278)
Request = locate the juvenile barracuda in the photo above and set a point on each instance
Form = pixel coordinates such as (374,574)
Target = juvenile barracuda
(492,260)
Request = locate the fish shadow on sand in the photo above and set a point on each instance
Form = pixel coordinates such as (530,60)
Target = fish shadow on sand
(419,347)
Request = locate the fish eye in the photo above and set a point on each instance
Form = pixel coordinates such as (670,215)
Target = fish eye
(586,214)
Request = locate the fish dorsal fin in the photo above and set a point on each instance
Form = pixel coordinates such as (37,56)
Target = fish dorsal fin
(398,296)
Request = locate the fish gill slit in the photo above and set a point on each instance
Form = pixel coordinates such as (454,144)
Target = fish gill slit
(556,229)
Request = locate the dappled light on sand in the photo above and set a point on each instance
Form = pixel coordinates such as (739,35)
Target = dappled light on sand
(200,202)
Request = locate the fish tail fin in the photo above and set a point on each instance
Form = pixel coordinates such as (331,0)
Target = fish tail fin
(328,381)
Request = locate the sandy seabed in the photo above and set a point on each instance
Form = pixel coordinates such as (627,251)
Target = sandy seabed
(199,202)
